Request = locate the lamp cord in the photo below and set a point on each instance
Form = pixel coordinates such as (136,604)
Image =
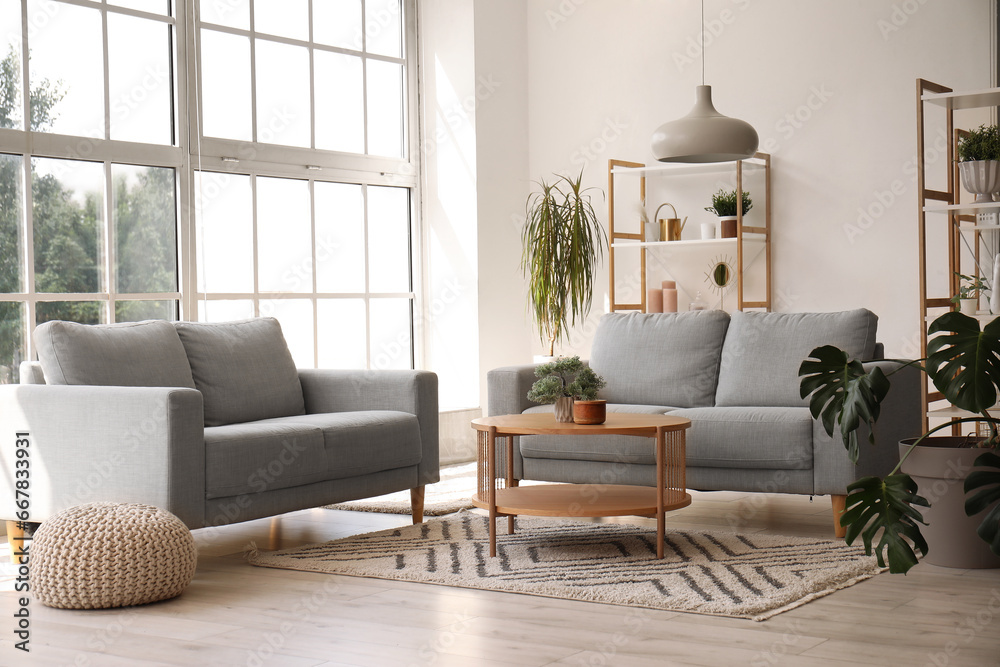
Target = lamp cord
(703,42)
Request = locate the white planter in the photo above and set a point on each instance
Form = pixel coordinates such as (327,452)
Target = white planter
(564,409)
(727,226)
(968,306)
(981,178)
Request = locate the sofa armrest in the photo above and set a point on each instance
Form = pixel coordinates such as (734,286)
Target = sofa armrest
(899,418)
(507,389)
(114,444)
(416,392)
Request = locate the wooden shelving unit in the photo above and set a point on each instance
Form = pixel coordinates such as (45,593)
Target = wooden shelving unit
(750,241)
(937,207)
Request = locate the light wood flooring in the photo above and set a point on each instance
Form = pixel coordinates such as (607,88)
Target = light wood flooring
(236,614)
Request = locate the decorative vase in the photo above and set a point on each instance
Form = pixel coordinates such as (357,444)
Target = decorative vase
(939,466)
(564,409)
(590,412)
(727,226)
(968,306)
(981,178)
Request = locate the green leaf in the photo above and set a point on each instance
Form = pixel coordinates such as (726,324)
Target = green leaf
(842,393)
(988,498)
(963,361)
(884,509)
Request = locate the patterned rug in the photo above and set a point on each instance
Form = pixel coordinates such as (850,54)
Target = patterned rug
(726,574)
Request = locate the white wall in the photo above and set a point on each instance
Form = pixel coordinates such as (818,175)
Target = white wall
(830,88)
(503,182)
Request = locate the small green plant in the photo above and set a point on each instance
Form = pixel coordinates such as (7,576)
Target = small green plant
(565,377)
(982,143)
(724,203)
(969,287)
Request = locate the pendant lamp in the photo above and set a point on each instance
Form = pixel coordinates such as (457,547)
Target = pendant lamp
(704,134)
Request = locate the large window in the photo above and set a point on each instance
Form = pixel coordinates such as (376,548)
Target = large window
(210,160)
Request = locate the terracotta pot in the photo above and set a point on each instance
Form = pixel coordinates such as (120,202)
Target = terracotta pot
(939,467)
(564,409)
(590,412)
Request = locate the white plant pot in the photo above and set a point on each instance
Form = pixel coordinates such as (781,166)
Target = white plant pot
(564,409)
(968,306)
(981,178)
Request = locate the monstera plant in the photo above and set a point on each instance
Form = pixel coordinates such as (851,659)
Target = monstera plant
(964,364)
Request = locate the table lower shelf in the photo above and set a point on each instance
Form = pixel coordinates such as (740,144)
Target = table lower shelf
(584,500)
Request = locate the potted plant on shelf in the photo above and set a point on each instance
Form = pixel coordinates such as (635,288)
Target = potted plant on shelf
(960,474)
(979,161)
(724,205)
(967,298)
(568,382)
(562,245)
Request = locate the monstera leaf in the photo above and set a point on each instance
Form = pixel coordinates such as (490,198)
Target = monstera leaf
(842,392)
(884,509)
(963,361)
(989,483)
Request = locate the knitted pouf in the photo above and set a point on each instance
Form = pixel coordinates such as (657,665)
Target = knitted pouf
(103,555)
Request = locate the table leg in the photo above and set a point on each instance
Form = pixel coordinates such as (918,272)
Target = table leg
(491,453)
(661,481)
(510,478)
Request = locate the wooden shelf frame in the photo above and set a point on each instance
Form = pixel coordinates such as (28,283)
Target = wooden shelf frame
(936,206)
(760,161)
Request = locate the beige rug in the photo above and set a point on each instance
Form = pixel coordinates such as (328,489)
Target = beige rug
(451,494)
(725,574)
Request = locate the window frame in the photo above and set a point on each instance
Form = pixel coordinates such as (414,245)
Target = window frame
(192,153)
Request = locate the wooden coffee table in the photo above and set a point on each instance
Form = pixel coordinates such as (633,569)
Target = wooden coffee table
(501,495)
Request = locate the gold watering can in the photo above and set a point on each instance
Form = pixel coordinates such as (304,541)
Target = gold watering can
(670,228)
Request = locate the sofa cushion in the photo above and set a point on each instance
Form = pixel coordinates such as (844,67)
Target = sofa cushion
(262,456)
(763,351)
(364,442)
(243,370)
(132,354)
(660,359)
(765,438)
(770,438)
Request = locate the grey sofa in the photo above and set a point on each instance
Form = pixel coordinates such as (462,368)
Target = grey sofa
(211,422)
(736,378)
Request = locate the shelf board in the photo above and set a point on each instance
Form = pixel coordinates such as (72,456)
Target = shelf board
(973,99)
(983,316)
(752,164)
(691,243)
(964,209)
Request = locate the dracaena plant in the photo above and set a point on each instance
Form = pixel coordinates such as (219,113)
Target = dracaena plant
(563,244)
(964,364)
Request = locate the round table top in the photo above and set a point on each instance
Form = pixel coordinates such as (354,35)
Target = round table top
(544,423)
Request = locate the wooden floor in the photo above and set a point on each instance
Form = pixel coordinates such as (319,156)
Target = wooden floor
(236,614)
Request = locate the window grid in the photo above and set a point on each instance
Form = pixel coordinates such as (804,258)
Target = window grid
(187,155)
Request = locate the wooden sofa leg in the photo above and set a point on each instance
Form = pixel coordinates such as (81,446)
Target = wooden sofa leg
(839,503)
(417,504)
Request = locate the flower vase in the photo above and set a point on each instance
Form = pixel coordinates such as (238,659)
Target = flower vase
(564,409)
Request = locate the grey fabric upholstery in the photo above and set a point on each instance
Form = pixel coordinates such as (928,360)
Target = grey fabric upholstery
(115,444)
(370,433)
(764,437)
(133,354)
(243,369)
(262,456)
(660,359)
(767,443)
(415,392)
(763,351)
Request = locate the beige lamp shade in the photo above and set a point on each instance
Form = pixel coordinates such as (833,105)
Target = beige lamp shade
(704,135)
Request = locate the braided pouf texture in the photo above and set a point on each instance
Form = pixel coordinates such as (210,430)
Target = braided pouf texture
(104,555)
